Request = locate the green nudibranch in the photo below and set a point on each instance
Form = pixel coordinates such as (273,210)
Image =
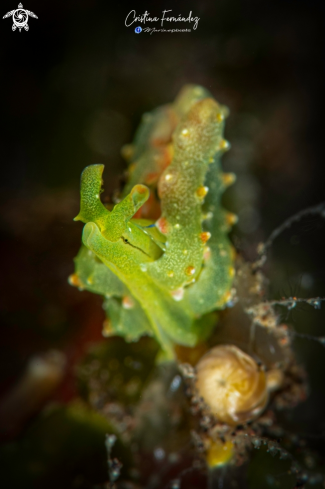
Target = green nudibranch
(149,256)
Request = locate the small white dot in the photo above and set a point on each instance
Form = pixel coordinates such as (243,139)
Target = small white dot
(159,453)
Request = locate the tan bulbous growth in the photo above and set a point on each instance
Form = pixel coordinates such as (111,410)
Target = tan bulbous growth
(231,384)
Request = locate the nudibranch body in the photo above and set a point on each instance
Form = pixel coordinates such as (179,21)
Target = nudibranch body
(162,257)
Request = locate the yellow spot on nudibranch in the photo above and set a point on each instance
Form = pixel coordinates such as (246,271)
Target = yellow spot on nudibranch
(219,454)
(205,236)
(75,280)
(190,270)
(168,177)
(177,226)
(228,179)
(127,302)
(185,132)
(227,297)
(202,191)
(220,117)
(170,273)
(185,252)
(224,145)
(231,271)
(231,219)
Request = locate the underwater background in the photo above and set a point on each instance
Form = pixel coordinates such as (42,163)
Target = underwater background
(74,88)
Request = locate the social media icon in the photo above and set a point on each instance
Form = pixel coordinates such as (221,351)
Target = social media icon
(138,30)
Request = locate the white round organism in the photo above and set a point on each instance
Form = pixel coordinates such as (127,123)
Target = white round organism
(232,384)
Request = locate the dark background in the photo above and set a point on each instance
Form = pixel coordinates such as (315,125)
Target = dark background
(73,90)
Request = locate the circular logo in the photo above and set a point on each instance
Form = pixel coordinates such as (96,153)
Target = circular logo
(137,30)
(20,18)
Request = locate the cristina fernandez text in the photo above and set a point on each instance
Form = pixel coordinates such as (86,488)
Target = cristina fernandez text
(132,17)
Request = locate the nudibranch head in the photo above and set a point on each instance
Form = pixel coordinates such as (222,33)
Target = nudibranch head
(232,384)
